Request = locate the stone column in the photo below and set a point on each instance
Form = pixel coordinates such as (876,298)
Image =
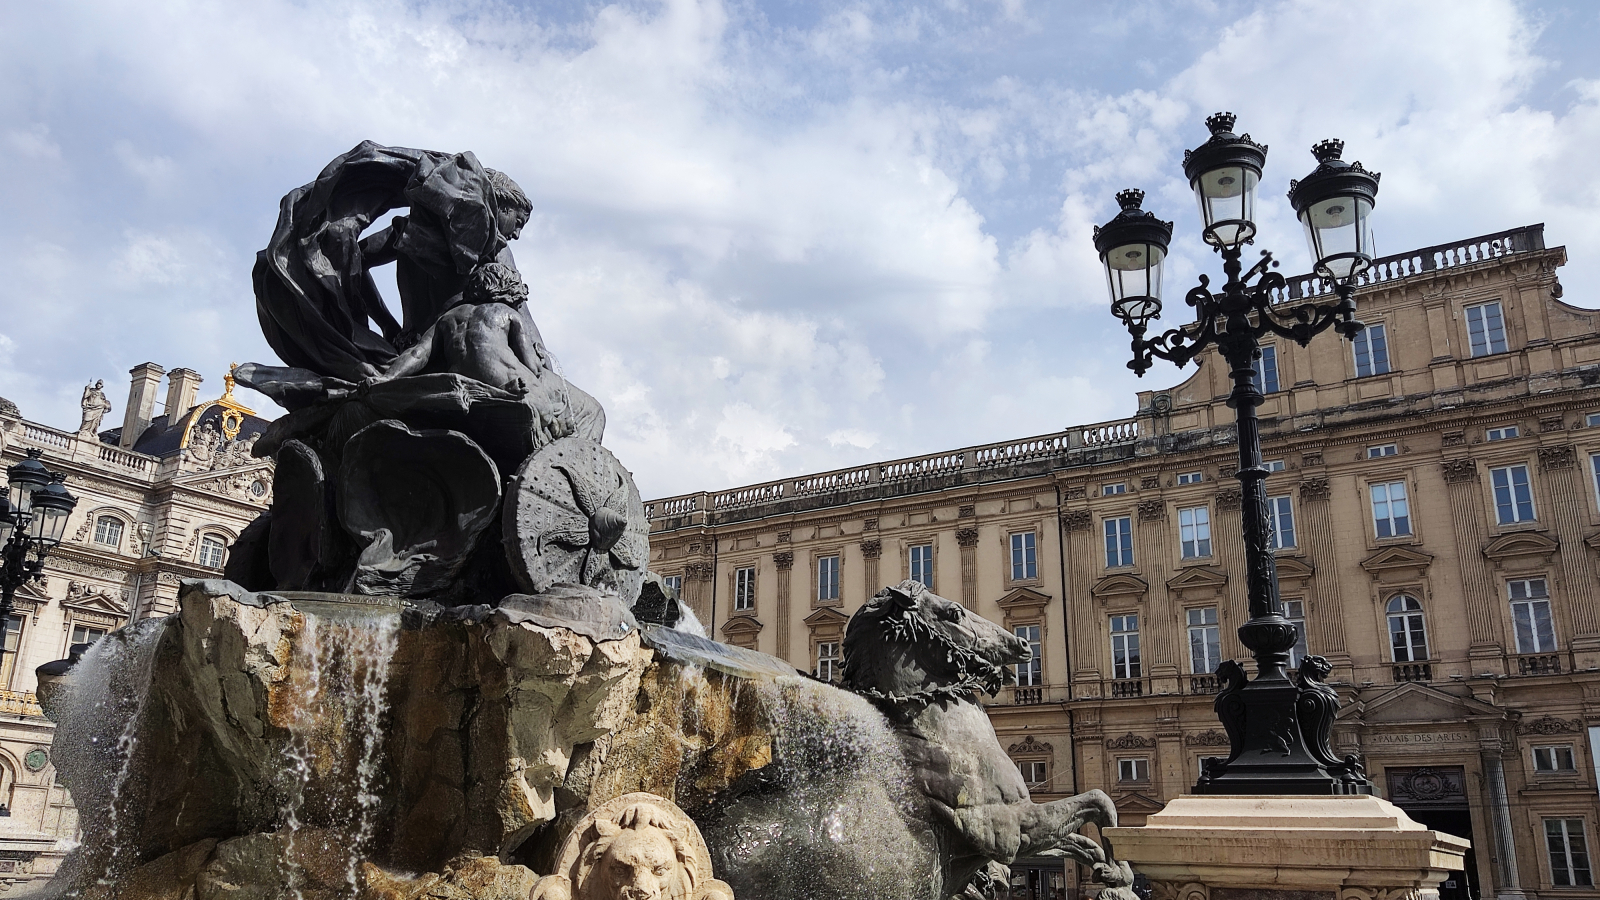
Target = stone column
(870,551)
(784,562)
(1505,844)
(1326,617)
(1084,629)
(1161,637)
(1467,518)
(1564,495)
(968,539)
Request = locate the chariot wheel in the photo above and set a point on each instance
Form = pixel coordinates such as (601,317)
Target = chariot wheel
(573,515)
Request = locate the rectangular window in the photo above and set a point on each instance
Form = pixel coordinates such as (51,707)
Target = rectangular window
(827,578)
(1591,420)
(13,644)
(1034,771)
(1486,329)
(1194,531)
(1119,542)
(1107,490)
(1501,434)
(1530,615)
(1133,769)
(744,587)
(1190,477)
(1391,514)
(1266,369)
(1205,641)
(1372,351)
(86,634)
(1030,673)
(1125,660)
(1024,560)
(1382,450)
(1513,498)
(1569,853)
(829,665)
(1594,466)
(922,564)
(673,584)
(1280,523)
(1295,612)
(1557,758)
(1273,465)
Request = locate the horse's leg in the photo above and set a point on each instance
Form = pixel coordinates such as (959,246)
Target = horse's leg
(1047,826)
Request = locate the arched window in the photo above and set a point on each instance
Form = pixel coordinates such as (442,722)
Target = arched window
(1408,637)
(108,531)
(212,550)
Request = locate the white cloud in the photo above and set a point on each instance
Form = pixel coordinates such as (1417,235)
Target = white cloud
(769,247)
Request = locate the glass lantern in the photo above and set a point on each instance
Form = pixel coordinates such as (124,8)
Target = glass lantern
(1334,204)
(52,506)
(26,477)
(1133,247)
(1224,173)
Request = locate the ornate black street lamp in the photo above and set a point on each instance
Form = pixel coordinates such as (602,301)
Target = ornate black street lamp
(1279,728)
(36,509)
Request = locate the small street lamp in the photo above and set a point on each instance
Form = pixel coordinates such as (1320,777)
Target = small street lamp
(1279,729)
(36,508)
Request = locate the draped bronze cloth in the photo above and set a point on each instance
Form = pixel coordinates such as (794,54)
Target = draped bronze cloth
(314,293)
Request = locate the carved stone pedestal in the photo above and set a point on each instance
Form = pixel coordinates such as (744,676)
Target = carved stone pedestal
(1287,848)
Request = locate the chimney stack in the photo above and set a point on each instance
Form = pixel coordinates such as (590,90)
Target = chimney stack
(182,386)
(146,378)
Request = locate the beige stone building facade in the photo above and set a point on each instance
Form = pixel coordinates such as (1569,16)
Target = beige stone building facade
(1436,506)
(159,499)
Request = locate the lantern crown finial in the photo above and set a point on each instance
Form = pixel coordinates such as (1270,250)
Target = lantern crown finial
(1327,150)
(1221,123)
(1130,198)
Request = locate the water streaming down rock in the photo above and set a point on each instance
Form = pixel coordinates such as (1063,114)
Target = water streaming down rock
(100,717)
(333,711)
(837,779)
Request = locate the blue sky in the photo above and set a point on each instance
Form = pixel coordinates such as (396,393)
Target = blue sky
(772,237)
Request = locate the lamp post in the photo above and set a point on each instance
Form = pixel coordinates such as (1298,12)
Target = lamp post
(1278,728)
(36,507)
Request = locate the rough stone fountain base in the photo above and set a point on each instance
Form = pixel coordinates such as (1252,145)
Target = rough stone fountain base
(260,746)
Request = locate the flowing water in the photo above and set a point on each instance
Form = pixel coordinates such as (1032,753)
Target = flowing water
(331,766)
(834,815)
(99,734)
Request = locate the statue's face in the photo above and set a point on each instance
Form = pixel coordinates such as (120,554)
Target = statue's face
(640,864)
(511,222)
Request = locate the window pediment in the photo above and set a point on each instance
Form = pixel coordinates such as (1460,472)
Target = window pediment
(742,625)
(827,616)
(88,598)
(1137,804)
(1291,568)
(1397,561)
(1521,545)
(1120,587)
(1023,599)
(1197,582)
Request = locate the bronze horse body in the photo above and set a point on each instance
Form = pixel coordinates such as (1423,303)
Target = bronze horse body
(940,818)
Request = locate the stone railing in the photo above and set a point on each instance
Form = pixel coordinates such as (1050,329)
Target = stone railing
(1419,262)
(1539,664)
(1128,687)
(1204,684)
(984,457)
(17,703)
(1404,672)
(137,462)
(48,437)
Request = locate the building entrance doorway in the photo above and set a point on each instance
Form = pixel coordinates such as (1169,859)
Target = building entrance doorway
(1436,797)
